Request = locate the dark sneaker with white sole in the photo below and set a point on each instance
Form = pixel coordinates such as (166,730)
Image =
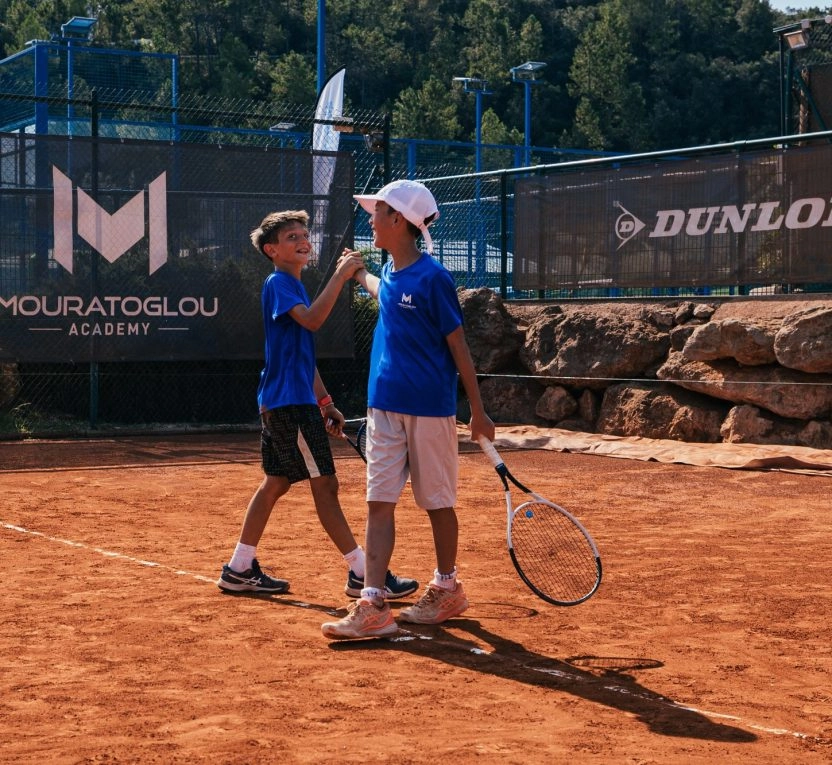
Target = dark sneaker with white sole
(394,586)
(251,580)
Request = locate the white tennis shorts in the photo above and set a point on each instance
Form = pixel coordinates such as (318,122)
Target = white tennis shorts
(422,448)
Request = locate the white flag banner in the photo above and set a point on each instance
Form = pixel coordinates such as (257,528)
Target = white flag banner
(325,138)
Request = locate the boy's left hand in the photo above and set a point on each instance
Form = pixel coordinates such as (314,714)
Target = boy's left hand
(334,422)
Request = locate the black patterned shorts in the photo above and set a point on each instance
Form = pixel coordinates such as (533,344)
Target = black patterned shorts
(294,443)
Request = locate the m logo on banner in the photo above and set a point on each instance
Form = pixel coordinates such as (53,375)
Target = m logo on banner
(110,235)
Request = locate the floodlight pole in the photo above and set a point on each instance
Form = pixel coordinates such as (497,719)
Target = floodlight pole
(478,153)
(527,123)
(528,74)
(479,88)
(795,38)
(321,44)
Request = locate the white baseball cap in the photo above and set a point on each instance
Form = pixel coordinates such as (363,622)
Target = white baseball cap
(410,198)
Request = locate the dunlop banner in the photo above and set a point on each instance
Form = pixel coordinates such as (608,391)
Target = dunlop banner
(137,250)
(750,219)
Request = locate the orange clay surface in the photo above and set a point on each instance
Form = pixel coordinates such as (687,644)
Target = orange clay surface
(708,641)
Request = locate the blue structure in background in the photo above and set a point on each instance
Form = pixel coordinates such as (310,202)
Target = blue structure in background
(61,74)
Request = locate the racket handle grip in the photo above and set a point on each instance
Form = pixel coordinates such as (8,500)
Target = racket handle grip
(490,451)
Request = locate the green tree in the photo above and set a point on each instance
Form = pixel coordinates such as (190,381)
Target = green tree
(294,80)
(495,131)
(488,35)
(611,107)
(371,44)
(429,112)
(21,23)
(235,69)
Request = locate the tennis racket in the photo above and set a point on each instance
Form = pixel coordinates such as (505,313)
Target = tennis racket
(360,442)
(553,553)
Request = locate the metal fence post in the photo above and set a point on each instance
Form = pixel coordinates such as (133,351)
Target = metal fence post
(94,370)
(503,236)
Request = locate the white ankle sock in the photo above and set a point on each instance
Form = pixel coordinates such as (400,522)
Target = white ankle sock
(355,560)
(374,595)
(242,558)
(445,581)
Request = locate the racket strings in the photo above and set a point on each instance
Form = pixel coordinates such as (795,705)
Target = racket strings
(361,440)
(552,553)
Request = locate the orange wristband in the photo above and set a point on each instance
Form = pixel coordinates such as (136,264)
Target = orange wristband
(325,401)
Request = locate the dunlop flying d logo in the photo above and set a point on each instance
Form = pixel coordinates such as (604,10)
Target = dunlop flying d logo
(626,225)
(110,235)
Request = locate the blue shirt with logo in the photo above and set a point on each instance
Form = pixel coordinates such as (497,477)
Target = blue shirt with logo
(289,374)
(412,370)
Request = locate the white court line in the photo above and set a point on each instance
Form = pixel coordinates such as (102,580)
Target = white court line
(106,553)
(407,636)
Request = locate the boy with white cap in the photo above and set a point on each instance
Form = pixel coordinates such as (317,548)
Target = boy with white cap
(419,353)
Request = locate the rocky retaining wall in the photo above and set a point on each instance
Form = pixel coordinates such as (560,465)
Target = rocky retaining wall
(740,370)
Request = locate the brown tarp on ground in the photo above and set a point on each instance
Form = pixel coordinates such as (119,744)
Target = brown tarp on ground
(737,456)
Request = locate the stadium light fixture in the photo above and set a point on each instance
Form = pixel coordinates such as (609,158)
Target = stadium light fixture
(78,28)
(530,71)
(527,74)
(798,40)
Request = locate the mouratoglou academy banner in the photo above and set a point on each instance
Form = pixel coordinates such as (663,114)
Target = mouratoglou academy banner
(120,250)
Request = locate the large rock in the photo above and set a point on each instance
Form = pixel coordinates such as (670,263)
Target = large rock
(589,346)
(816,435)
(785,392)
(748,343)
(804,341)
(492,335)
(747,424)
(660,411)
(556,404)
(511,400)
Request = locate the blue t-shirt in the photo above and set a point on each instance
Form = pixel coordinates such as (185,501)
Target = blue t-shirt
(289,374)
(412,370)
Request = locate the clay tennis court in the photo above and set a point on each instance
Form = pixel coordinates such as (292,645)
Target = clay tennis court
(708,640)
